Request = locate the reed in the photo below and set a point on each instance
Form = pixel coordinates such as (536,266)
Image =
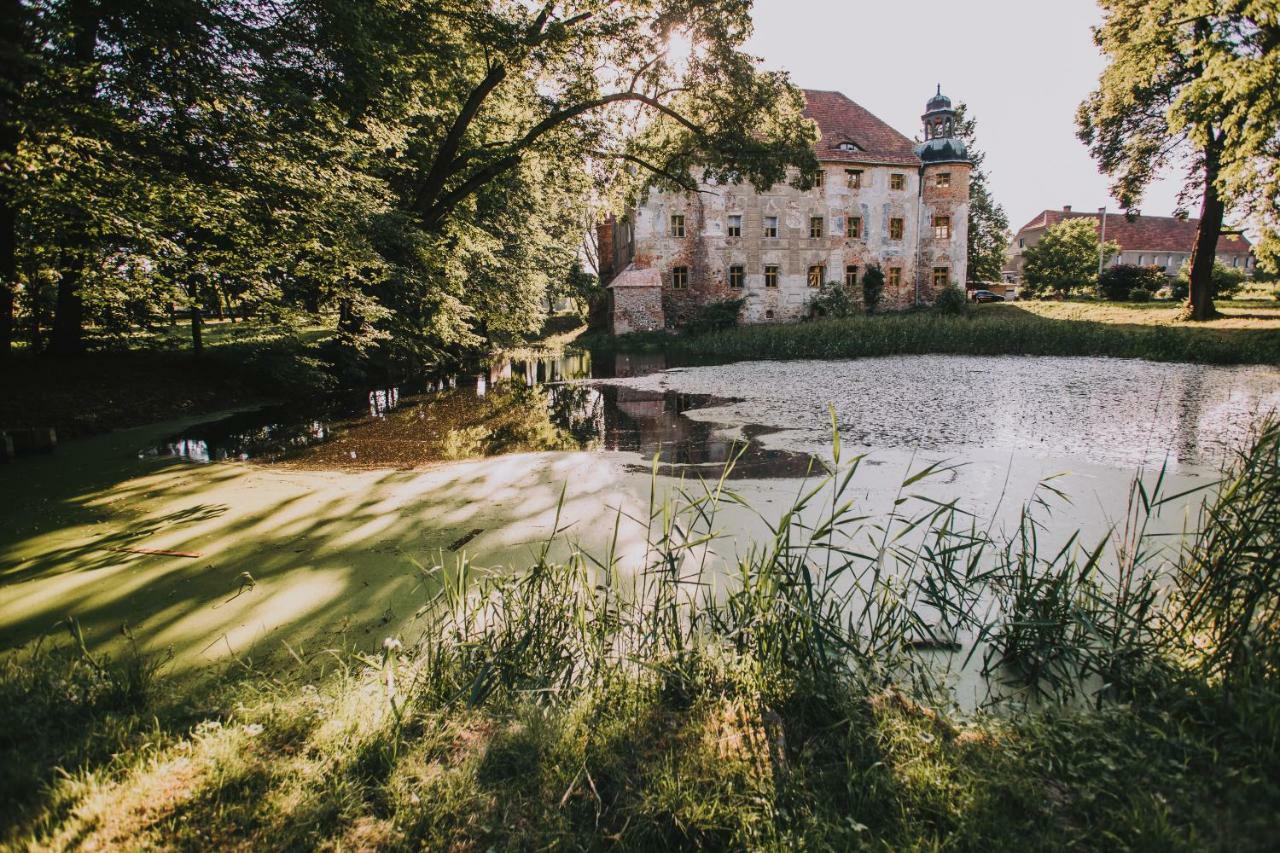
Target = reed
(994,330)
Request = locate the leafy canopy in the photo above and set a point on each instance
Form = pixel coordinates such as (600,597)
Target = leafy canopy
(1186,76)
(988,223)
(419,172)
(1066,257)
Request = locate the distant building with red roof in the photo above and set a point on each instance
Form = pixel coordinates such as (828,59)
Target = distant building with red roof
(882,200)
(1145,241)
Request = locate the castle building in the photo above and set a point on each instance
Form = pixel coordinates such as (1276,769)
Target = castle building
(881,199)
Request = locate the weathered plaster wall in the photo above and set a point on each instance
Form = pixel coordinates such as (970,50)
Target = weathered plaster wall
(708,251)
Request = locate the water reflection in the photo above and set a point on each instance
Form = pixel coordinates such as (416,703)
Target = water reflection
(507,407)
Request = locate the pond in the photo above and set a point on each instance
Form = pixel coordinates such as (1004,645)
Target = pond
(511,407)
(335,505)
(1123,414)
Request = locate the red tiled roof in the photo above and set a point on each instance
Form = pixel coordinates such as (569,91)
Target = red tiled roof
(1145,233)
(841,120)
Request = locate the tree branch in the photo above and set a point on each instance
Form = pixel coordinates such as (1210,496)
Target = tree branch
(442,165)
(434,207)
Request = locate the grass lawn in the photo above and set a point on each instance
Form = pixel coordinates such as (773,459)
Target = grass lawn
(1239,313)
(1249,334)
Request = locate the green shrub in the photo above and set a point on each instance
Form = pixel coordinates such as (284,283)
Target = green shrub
(1118,282)
(834,300)
(1225,282)
(1066,258)
(872,287)
(1139,294)
(951,301)
(715,316)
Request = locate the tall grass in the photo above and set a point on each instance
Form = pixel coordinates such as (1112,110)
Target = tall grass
(998,330)
(833,595)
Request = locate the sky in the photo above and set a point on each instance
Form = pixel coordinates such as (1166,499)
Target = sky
(1022,66)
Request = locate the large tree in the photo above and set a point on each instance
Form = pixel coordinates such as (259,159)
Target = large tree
(1066,257)
(504,128)
(423,169)
(988,223)
(1194,82)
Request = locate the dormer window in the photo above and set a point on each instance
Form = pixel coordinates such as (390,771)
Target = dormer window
(847,146)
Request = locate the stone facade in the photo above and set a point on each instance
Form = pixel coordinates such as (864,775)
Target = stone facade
(637,301)
(878,203)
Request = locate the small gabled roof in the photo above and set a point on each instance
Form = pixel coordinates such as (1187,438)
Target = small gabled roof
(840,120)
(1144,233)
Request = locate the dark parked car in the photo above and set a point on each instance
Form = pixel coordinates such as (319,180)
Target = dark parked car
(986,296)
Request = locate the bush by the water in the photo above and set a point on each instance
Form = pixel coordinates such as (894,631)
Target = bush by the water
(951,301)
(1117,283)
(872,287)
(833,300)
(714,316)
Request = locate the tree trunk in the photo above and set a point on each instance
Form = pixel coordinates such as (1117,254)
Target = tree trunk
(68,311)
(8,275)
(68,318)
(13,46)
(197,320)
(1200,292)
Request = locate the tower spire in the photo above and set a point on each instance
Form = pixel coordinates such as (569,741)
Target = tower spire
(939,118)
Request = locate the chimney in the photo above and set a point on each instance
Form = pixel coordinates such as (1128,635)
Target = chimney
(1066,208)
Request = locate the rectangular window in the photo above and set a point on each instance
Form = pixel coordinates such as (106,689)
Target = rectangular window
(895,276)
(895,229)
(771,276)
(771,226)
(815,226)
(942,227)
(679,278)
(855,178)
(677,225)
(817,273)
(822,179)
(941,277)
(735,225)
(737,277)
(897,181)
(850,275)
(854,224)
(942,179)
